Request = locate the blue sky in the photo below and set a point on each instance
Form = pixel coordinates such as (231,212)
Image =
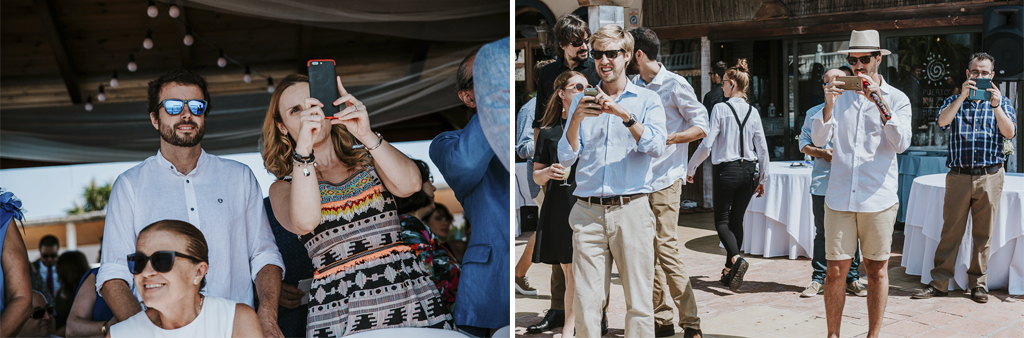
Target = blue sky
(48,191)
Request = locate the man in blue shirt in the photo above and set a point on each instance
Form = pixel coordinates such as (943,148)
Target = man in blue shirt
(480,182)
(614,135)
(819,183)
(974,183)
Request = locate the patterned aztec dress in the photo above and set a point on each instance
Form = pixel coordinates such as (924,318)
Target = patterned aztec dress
(365,278)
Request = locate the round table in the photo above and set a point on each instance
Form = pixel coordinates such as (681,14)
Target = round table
(924,226)
(919,164)
(781,222)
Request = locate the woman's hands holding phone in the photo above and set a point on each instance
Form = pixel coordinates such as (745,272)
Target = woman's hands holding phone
(354,117)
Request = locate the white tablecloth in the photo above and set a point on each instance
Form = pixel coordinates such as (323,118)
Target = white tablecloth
(924,226)
(781,222)
(522,191)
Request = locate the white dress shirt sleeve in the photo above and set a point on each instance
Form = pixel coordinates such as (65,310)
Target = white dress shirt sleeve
(805,132)
(118,234)
(524,130)
(693,111)
(262,246)
(897,130)
(822,132)
(652,141)
(761,144)
(704,149)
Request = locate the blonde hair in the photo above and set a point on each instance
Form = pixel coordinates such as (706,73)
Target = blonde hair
(740,75)
(613,32)
(554,109)
(278,147)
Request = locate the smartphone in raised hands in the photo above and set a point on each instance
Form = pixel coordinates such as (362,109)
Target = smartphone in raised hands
(981,93)
(323,85)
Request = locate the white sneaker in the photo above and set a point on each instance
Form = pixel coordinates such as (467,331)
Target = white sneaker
(857,288)
(812,289)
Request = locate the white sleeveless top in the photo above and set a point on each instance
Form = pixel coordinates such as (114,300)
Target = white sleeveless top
(216,319)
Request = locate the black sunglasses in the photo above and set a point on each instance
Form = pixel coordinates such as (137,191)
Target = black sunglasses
(852,60)
(48,255)
(579,87)
(611,54)
(578,43)
(162,261)
(40,312)
(175,106)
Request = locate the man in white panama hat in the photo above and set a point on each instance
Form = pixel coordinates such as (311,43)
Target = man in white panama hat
(867,129)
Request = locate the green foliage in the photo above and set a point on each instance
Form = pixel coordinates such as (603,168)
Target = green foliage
(96,198)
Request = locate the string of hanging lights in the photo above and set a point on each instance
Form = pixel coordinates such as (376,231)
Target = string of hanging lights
(174,12)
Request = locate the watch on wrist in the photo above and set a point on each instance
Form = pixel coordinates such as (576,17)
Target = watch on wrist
(632,120)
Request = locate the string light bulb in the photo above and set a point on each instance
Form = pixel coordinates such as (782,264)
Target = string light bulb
(248,76)
(148,42)
(132,66)
(88,104)
(188,40)
(152,11)
(100,95)
(113,80)
(173,11)
(221,60)
(270,84)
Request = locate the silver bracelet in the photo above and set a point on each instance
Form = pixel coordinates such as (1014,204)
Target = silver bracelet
(304,165)
(380,140)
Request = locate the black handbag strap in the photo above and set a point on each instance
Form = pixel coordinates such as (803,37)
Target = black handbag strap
(742,124)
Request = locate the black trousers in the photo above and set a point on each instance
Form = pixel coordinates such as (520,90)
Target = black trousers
(734,184)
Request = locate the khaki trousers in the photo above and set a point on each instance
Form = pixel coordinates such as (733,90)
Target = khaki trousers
(669,271)
(967,195)
(624,234)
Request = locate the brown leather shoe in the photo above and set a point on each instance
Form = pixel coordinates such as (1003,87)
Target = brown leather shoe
(692,333)
(928,292)
(978,295)
(664,330)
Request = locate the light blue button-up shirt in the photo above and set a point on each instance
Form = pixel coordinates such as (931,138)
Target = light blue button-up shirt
(819,174)
(612,162)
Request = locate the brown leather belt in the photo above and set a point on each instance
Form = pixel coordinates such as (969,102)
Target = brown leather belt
(612,200)
(992,169)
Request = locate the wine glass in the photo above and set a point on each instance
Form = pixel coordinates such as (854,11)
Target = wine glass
(565,179)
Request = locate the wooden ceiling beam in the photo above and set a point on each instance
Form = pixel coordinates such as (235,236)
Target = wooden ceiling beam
(44,9)
(187,61)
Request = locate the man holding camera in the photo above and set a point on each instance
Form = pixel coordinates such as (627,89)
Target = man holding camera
(974,184)
(686,121)
(614,134)
(868,127)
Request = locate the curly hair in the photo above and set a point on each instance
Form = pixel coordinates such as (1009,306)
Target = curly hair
(278,147)
(740,75)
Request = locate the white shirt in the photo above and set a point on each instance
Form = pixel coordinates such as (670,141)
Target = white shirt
(723,141)
(220,197)
(682,111)
(215,319)
(864,175)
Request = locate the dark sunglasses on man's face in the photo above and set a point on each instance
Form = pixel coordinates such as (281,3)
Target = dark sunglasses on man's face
(40,312)
(611,54)
(579,43)
(852,60)
(162,261)
(49,256)
(175,106)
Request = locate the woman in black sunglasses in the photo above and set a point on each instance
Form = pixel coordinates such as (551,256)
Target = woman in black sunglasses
(170,265)
(554,236)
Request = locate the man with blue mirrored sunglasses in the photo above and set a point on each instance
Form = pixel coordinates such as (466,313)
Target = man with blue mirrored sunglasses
(182,182)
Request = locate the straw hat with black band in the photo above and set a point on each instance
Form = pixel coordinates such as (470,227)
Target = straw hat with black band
(865,42)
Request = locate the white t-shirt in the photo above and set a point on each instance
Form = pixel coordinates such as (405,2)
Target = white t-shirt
(215,319)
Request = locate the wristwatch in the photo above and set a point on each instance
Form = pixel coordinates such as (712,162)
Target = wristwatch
(632,120)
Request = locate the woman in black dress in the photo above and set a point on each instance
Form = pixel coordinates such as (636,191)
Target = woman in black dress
(554,236)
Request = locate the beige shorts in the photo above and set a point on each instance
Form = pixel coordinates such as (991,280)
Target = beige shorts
(874,229)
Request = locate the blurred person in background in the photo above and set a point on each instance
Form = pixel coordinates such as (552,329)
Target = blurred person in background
(71,267)
(46,265)
(39,323)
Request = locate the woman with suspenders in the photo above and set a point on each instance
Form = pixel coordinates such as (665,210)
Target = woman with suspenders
(736,143)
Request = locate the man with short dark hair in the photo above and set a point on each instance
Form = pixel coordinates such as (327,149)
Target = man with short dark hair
(614,136)
(49,247)
(974,184)
(685,121)
(715,95)
(182,182)
(571,37)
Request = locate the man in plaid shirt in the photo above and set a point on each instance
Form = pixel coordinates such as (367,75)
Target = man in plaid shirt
(977,131)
